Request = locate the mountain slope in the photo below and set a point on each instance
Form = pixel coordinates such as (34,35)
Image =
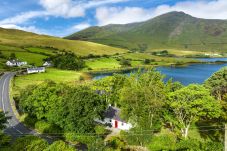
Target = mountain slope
(174,30)
(19,38)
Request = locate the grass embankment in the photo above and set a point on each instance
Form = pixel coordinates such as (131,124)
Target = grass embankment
(56,75)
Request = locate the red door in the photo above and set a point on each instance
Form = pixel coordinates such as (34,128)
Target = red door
(116,124)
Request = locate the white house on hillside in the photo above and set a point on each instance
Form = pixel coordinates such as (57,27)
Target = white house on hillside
(47,64)
(15,63)
(35,70)
(112,117)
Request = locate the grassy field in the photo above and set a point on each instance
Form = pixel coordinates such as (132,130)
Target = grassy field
(41,51)
(31,58)
(21,82)
(103,63)
(137,60)
(20,39)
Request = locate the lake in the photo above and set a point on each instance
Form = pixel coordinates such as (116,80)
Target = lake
(194,73)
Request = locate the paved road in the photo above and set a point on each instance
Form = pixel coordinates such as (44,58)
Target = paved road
(14,127)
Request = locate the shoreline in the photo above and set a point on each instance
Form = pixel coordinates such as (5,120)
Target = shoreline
(92,74)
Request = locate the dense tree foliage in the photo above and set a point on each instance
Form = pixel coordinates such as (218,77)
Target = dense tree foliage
(217,83)
(162,113)
(29,143)
(3,138)
(190,104)
(73,109)
(59,146)
(68,61)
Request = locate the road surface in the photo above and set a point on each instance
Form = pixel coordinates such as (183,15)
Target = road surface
(14,127)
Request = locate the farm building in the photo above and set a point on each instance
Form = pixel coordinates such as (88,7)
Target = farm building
(35,70)
(47,64)
(15,63)
(112,117)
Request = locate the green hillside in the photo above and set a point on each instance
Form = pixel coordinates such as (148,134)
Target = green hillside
(16,39)
(175,30)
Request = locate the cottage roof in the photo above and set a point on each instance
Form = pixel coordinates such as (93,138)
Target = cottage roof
(113,113)
(36,68)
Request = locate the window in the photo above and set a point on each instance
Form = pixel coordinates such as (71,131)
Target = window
(110,120)
(122,124)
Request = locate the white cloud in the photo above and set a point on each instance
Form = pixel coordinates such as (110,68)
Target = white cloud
(21,18)
(70,8)
(63,8)
(114,15)
(215,9)
(81,26)
(25,28)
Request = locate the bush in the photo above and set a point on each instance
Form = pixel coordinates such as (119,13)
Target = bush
(163,142)
(100,130)
(59,146)
(45,127)
(29,143)
(68,61)
(125,62)
(116,143)
(189,144)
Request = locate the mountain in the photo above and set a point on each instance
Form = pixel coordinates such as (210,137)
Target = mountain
(174,30)
(19,39)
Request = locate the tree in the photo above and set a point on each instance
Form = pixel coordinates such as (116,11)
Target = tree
(125,62)
(59,146)
(3,120)
(12,56)
(39,100)
(29,143)
(190,104)
(111,87)
(68,61)
(142,98)
(217,83)
(78,109)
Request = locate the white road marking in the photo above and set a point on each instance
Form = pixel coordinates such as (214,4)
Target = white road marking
(17,130)
(3,87)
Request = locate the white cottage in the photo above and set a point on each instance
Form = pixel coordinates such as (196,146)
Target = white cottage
(112,118)
(15,63)
(35,70)
(47,64)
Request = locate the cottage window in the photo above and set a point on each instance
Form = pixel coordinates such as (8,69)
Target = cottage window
(122,124)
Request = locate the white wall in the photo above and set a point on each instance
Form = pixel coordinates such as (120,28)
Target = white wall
(121,125)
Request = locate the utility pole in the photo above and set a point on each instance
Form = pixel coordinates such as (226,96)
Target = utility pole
(225,141)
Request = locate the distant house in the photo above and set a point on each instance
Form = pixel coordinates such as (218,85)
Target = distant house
(47,64)
(112,117)
(15,63)
(36,70)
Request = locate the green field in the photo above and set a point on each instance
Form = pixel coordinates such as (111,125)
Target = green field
(21,82)
(103,63)
(41,51)
(17,38)
(31,58)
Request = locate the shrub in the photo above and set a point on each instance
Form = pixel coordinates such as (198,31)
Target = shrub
(125,62)
(29,143)
(59,146)
(163,142)
(100,130)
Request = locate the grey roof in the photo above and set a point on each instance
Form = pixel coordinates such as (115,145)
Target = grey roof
(36,68)
(14,61)
(113,113)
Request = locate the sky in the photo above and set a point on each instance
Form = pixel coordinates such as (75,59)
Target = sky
(64,17)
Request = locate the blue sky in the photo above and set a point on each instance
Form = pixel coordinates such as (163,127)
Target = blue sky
(63,17)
